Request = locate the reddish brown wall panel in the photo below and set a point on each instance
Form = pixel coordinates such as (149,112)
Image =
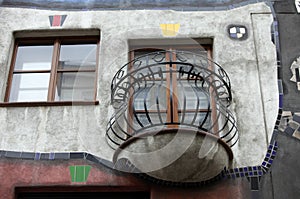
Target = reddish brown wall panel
(31,176)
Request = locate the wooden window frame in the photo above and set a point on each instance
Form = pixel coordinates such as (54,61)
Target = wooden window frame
(56,42)
(174,113)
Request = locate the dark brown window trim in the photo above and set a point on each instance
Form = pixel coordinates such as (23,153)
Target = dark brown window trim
(54,103)
(90,188)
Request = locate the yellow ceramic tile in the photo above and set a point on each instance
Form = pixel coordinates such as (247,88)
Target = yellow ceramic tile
(170,30)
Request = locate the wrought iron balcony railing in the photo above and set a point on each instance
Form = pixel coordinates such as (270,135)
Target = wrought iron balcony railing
(171,89)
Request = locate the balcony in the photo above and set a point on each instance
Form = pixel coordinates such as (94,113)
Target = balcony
(171,117)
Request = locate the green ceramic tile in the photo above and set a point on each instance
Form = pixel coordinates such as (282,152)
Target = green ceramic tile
(79,173)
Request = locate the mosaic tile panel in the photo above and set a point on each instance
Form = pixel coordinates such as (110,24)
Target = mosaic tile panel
(57,20)
(271,153)
(237,32)
(249,172)
(79,173)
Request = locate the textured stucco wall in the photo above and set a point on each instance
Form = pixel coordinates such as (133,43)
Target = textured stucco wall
(250,65)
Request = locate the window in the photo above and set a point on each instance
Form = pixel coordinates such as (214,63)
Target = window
(172,99)
(53,69)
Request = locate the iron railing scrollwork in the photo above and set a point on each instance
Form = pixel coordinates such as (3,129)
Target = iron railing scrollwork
(171,88)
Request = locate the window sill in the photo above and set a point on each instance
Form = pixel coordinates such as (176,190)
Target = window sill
(58,103)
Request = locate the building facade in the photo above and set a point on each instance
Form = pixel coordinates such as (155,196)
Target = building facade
(138,99)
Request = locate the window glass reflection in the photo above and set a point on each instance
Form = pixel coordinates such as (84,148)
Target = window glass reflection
(71,86)
(154,97)
(29,87)
(76,56)
(196,118)
(34,58)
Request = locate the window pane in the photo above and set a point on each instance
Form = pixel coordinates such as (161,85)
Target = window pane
(29,87)
(71,86)
(195,98)
(76,56)
(196,118)
(34,58)
(154,118)
(150,96)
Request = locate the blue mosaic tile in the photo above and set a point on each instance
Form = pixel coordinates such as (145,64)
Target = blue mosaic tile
(281,101)
(51,156)
(37,156)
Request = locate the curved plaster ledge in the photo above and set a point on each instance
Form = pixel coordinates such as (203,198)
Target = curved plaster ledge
(176,155)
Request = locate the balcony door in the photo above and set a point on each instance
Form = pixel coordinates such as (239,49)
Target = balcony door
(169,96)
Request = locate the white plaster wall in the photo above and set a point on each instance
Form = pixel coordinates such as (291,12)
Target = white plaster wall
(250,65)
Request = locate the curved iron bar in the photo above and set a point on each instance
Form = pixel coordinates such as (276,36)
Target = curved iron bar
(138,78)
(122,78)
